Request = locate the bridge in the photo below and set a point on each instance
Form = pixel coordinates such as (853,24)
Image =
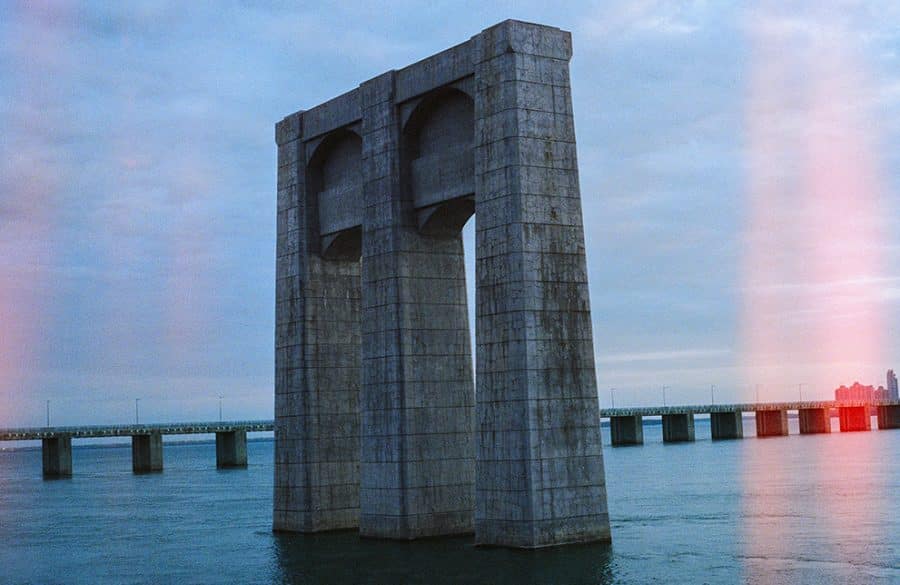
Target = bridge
(146,442)
(626,428)
(727,420)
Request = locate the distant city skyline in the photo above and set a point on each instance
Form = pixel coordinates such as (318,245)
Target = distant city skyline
(739,168)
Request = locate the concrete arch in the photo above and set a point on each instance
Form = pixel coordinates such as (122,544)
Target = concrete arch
(334,174)
(439,140)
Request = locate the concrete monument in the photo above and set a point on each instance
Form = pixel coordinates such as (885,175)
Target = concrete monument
(378,423)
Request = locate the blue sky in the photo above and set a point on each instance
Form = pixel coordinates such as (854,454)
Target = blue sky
(137,191)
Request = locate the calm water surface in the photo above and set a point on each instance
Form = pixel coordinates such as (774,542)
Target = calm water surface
(810,509)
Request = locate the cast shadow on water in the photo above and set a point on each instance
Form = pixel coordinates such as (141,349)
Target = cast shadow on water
(343,557)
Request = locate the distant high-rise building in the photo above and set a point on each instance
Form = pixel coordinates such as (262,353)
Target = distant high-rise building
(892,386)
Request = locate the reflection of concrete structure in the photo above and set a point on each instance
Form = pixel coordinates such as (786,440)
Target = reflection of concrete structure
(377,424)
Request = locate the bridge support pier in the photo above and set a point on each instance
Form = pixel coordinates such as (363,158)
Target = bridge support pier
(815,420)
(855,418)
(889,416)
(627,430)
(146,453)
(57,456)
(678,427)
(231,449)
(771,423)
(727,425)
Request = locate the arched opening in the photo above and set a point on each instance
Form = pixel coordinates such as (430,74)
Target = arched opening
(439,140)
(335,179)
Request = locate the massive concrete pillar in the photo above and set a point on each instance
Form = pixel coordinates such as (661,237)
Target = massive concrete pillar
(417,399)
(231,449)
(678,427)
(889,416)
(317,331)
(815,420)
(146,453)
(771,423)
(854,418)
(539,465)
(727,425)
(56,454)
(626,430)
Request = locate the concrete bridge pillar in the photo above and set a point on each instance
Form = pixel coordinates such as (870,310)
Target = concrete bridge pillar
(146,453)
(678,427)
(854,418)
(317,339)
(727,425)
(417,401)
(771,423)
(889,416)
(56,453)
(231,449)
(539,469)
(815,420)
(626,430)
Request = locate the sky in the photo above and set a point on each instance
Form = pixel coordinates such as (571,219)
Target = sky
(740,167)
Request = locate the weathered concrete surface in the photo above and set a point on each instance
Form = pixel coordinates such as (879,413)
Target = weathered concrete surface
(317,343)
(727,425)
(539,464)
(814,420)
(854,418)
(147,453)
(486,126)
(678,427)
(231,449)
(889,417)
(771,423)
(627,430)
(417,400)
(57,457)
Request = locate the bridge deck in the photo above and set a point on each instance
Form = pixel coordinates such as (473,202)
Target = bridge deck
(86,432)
(252,426)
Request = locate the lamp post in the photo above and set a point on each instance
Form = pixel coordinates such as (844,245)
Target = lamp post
(137,412)
(664,395)
(800,389)
(220,407)
(757,393)
(712,393)
(48,413)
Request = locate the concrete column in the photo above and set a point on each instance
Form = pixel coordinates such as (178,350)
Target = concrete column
(678,427)
(815,420)
(539,468)
(57,456)
(146,453)
(627,430)
(727,425)
(418,397)
(231,449)
(889,416)
(317,354)
(855,418)
(771,423)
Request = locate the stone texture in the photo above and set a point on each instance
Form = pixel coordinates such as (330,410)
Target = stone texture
(678,427)
(771,423)
(727,425)
(376,417)
(814,420)
(147,453)
(56,454)
(626,430)
(231,449)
